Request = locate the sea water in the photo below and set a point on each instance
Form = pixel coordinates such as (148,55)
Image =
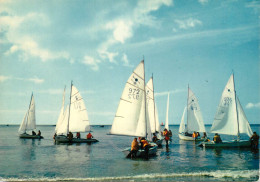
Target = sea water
(43,160)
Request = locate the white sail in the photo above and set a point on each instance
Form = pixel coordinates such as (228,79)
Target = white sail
(130,115)
(63,125)
(150,105)
(225,121)
(29,121)
(61,116)
(158,126)
(194,117)
(244,126)
(182,124)
(78,117)
(167,114)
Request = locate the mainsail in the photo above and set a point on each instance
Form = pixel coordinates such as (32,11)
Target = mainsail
(151,115)
(230,118)
(167,113)
(194,116)
(182,125)
(29,121)
(130,117)
(62,113)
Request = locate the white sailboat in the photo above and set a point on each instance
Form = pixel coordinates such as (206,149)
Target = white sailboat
(167,113)
(74,119)
(230,119)
(152,114)
(130,118)
(194,118)
(29,122)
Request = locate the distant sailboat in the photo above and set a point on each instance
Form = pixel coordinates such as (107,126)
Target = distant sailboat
(152,111)
(29,122)
(167,113)
(130,118)
(194,118)
(74,119)
(230,119)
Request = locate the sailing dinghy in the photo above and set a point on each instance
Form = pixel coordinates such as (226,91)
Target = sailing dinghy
(152,112)
(194,119)
(29,122)
(230,119)
(130,118)
(73,119)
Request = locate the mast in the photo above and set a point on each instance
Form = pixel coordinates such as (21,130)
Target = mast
(238,133)
(187,109)
(28,112)
(154,107)
(145,103)
(69,107)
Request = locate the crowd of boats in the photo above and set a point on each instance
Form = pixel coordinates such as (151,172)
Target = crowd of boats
(137,116)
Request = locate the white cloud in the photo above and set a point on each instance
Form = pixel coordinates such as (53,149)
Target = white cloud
(203,1)
(251,105)
(34,79)
(158,94)
(125,61)
(4,78)
(93,63)
(189,23)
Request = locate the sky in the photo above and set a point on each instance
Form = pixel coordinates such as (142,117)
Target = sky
(44,45)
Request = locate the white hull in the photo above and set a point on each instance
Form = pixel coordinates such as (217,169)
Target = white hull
(27,136)
(141,152)
(189,138)
(64,139)
(226,144)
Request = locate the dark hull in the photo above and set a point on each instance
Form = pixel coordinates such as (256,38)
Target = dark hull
(27,136)
(64,139)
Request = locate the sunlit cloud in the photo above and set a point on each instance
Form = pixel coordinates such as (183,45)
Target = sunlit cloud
(189,23)
(34,79)
(251,105)
(92,62)
(4,78)
(203,1)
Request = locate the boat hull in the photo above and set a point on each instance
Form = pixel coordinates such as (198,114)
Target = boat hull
(64,139)
(189,138)
(141,152)
(227,144)
(159,142)
(27,136)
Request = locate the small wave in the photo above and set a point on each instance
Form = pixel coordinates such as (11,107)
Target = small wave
(248,174)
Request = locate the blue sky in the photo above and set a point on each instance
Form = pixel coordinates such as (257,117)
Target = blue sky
(97,44)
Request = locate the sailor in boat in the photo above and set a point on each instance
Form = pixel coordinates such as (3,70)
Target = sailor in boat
(134,148)
(187,134)
(254,140)
(145,145)
(70,136)
(217,138)
(33,133)
(204,135)
(166,136)
(155,138)
(39,133)
(89,136)
(78,135)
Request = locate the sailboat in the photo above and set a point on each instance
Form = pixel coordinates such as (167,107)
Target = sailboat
(194,118)
(167,113)
(130,118)
(73,119)
(29,122)
(152,111)
(230,119)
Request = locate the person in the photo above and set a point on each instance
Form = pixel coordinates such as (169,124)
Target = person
(33,133)
(89,136)
(55,134)
(204,135)
(78,135)
(254,140)
(134,148)
(155,137)
(194,135)
(39,133)
(217,138)
(70,136)
(145,146)
(198,134)
(170,133)
(166,136)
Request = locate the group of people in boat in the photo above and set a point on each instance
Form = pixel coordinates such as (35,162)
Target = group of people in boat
(78,136)
(142,144)
(39,133)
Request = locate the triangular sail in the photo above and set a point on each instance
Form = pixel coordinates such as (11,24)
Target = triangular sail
(78,117)
(225,121)
(63,125)
(167,113)
(130,115)
(244,126)
(22,127)
(150,105)
(194,116)
(61,116)
(182,124)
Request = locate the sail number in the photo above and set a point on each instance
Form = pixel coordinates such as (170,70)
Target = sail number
(134,93)
(227,101)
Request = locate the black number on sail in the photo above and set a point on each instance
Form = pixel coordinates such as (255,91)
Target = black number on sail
(133,93)
(227,101)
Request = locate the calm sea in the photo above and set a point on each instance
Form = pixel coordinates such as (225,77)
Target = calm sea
(34,160)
